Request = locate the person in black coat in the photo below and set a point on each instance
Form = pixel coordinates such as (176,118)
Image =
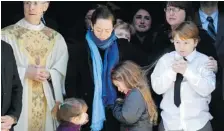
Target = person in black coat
(142,38)
(162,39)
(11,89)
(210,9)
(100,52)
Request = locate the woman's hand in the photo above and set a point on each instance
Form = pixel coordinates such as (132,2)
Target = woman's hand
(212,64)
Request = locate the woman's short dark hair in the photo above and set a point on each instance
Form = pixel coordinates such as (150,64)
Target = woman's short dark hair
(184,5)
(102,12)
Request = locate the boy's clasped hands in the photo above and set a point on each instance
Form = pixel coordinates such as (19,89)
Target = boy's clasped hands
(179,66)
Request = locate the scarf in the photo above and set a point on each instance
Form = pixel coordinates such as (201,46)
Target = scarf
(104,91)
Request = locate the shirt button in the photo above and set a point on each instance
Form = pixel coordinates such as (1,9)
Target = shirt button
(85,94)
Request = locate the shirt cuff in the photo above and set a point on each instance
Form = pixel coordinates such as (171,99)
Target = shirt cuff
(171,74)
(191,76)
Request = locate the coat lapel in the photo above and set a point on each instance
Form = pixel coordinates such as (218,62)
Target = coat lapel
(198,20)
(220,31)
(3,69)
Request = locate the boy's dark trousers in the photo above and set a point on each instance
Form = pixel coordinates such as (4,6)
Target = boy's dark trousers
(207,127)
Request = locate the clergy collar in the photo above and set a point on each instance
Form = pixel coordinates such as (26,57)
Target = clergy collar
(189,58)
(29,26)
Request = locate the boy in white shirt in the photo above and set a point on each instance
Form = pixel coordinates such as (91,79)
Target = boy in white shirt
(186,84)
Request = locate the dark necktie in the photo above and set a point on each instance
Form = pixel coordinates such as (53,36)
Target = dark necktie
(211,28)
(177,86)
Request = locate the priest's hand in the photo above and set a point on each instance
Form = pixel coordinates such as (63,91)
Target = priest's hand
(212,64)
(47,75)
(44,75)
(35,73)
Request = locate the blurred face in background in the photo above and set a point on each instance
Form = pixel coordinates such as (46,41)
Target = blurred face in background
(174,15)
(88,18)
(209,7)
(142,21)
(33,11)
(103,28)
(123,31)
(119,21)
(208,3)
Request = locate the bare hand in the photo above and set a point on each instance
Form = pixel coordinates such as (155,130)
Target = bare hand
(37,73)
(6,122)
(55,110)
(180,66)
(33,73)
(120,100)
(212,64)
(4,130)
(45,74)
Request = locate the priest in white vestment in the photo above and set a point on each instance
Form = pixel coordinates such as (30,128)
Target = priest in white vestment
(41,56)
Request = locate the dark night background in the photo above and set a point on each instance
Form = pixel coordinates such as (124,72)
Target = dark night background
(68,13)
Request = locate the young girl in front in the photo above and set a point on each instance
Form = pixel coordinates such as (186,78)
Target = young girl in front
(71,114)
(137,112)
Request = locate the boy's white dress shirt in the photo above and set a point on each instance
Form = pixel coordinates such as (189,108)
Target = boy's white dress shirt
(196,88)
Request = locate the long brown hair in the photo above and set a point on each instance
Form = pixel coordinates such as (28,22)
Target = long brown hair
(134,77)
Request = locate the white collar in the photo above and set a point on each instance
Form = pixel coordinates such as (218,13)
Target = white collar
(29,26)
(189,58)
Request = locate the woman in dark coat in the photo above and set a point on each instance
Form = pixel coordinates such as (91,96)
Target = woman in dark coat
(142,38)
(162,39)
(89,69)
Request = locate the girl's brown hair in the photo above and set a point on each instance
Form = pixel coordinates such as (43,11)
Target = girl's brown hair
(72,107)
(134,77)
(187,30)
